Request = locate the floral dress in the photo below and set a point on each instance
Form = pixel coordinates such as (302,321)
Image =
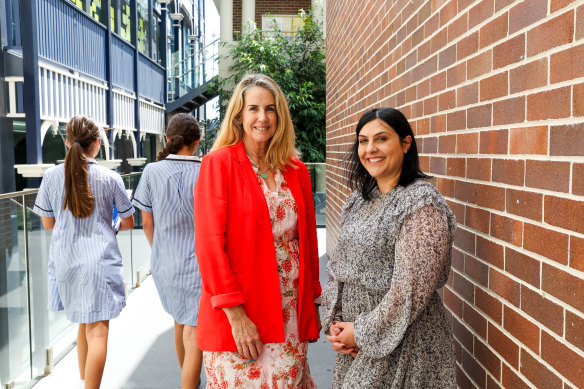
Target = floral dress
(281,365)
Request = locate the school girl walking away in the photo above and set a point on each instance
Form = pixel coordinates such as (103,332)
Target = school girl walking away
(165,196)
(76,201)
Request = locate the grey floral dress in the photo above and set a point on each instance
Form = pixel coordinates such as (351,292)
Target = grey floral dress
(392,254)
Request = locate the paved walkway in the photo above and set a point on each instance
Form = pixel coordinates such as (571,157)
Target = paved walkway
(141,347)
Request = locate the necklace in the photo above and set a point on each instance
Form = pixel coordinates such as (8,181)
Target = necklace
(263,173)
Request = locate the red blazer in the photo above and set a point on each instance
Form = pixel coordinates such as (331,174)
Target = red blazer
(236,255)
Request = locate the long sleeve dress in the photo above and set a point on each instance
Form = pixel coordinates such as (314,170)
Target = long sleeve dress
(392,254)
(281,365)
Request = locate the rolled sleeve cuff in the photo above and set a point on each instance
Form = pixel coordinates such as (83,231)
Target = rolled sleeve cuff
(43,212)
(316,289)
(227,300)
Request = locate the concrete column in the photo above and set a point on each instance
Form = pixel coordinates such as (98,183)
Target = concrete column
(247,15)
(225,35)
(318,8)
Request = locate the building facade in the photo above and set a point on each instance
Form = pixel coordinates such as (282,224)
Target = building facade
(494,90)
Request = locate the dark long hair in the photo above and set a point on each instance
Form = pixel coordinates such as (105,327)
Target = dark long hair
(81,134)
(358,177)
(183,129)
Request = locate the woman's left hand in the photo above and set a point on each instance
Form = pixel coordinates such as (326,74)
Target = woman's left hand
(343,338)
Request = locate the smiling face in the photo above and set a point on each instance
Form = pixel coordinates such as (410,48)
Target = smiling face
(381,151)
(258,118)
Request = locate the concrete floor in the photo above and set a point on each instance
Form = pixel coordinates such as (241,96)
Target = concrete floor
(141,347)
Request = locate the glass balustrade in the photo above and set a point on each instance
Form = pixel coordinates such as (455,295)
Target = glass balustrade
(33,337)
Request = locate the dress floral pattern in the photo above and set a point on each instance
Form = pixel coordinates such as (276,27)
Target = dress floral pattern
(281,365)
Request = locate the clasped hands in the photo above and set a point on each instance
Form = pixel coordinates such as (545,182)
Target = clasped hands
(342,338)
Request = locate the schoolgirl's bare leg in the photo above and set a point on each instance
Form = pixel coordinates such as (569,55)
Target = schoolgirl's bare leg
(96,334)
(81,349)
(178,343)
(193,359)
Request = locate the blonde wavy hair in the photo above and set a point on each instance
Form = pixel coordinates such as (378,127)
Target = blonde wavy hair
(281,148)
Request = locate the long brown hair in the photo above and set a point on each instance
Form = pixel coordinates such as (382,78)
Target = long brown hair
(281,147)
(81,134)
(183,129)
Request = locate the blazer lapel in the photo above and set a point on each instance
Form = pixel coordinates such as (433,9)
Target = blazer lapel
(249,178)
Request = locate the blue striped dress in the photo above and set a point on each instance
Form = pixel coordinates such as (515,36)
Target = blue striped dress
(85,264)
(166,190)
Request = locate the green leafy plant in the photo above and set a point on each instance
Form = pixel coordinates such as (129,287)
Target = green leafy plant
(297,63)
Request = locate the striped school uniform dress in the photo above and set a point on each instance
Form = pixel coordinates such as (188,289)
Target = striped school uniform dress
(166,190)
(85,264)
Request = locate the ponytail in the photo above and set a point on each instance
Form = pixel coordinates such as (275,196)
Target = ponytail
(81,133)
(183,129)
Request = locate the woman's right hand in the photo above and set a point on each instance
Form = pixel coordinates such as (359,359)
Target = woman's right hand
(245,332)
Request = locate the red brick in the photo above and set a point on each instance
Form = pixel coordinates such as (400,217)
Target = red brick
(465,240)
(500,4)
(467,143)
(575,330)
(477,219)
(473,368)
(512,380)
(526,13)
(447,100)
(487,358)
(552,104)
(481,12)
(475,320)
(548,175)
(494,31)
(577,253)
(580,22)
(555,32)
(522,266)
(447,57)
(503,345)
(447,144)
(564,213)
(494,142)
(456,75)
(457,262)
(458,210)
(490,252)
(529,140)
(509,111)
(529,76)
(463,287)
(508,171)
(526,204)
(467,46)
(559,4)
(478,169)
(452,302)
(507,229)
(543,310)
(456,120)
(447,13)
(457,27)
(510,51)
(468,94)
(504,287)
(562,285)
(438,123)
(445,186)
(567,140)
(578,98)
(567,64)
(494,86)
(476,270)
(438,165)
(438,41)
(456,167)
(479,65)
(522,329)
(549,243)
(563,359)
(430,145)
(492,384)
(438,82)
(479,116)
(490,197)
(537,373)
(490,305)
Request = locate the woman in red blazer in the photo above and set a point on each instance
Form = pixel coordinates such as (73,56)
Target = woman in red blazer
(255,239)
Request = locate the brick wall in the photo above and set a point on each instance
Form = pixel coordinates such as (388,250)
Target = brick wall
(274,7)
(494,90)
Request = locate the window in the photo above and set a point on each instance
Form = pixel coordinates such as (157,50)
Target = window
(143,27)
(97,11)
(288,24)
(126,21)
(156,55)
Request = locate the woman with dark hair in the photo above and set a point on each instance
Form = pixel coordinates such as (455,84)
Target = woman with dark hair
(165,196)
(76,200)
(381,308)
